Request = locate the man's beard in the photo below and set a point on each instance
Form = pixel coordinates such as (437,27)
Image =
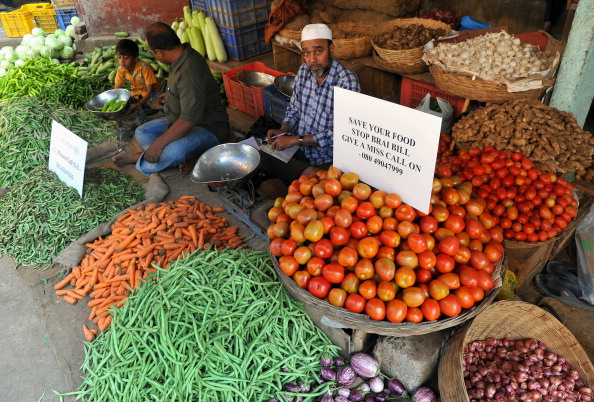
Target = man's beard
(322,71)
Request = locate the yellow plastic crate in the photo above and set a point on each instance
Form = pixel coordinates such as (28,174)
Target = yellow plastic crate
(17,23)
(44,16)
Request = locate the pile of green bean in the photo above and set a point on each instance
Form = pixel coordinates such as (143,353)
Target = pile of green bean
(34,77)
(25,133)
(41,216)
(216,326)
(74,91)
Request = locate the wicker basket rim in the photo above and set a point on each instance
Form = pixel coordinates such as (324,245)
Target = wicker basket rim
(428,23)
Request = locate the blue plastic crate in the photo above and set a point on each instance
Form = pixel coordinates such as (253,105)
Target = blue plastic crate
(275,106)
(244,43)
(242,19)
(199,5)
(235,7)
(64,15)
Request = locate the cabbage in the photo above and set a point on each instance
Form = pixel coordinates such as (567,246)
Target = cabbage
(37,43)
(6,49)
(2,71)
(70,30)
(19,63)
(27,39)
(74,20)
(37,32)
(2,56)
(11,56)
(20,50)
(67,53)
(59,32)
(6,64)
(47,52)
(55,61)
(29,54)
(66,40)
(53,42)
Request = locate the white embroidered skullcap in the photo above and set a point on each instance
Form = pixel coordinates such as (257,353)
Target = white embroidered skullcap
(316,31)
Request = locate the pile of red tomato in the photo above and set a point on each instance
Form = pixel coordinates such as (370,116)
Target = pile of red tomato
(364,250)
(528,204)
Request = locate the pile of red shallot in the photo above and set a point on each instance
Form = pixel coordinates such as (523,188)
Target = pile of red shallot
(523,370)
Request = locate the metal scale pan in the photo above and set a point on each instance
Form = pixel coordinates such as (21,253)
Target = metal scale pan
(227,169)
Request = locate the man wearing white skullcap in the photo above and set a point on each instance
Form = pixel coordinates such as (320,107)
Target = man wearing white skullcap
(309,118)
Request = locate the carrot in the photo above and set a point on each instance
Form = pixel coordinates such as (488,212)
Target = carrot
(64,281)
(132,273)
(106,321)
(70,299)
(95,302)
(200,242)
(218,209)
(89,336)
(93,313)
(148,228)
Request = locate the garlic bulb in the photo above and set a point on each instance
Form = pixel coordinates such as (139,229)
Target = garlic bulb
(493,54)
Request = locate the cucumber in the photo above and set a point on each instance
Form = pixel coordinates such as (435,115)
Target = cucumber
(121,34)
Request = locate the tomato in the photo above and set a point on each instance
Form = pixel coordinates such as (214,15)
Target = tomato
(390,224)
(386,290)
(428,224)
(315,265)
(355,303)
(454,222)
(348,257)
(465,295)
(350,204)
(451,280)
(478,260)
(390,238)
(423,276)
(337,297)
(368,289)
(407,258)
(438,289)
(387,252)
(374,224)
(323,248)
(417,243)
(485,281)
(333,187)
(323,202)
(365,210)
(333,272)
(462,256)
(492,252)
(319,287)
(392,200)
(314,231)
(343,218)
(450,305)
(350,283)
(349,180)
(414,314)
(405,213)
(396,311)
(385,269)
(449,245)
(377,198)
(288,264)
(358,230)
(302,278)
(405,277)
(339,236)
(275,246)
(440,213)
(368,247)
(427,259)
(288,247)
(406,228)
(385,212)
(333,173)
(302,255)
(280,229)
(430,309)
(364,269)
(361,191)
(413,296)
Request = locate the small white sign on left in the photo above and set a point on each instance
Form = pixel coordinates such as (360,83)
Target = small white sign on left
(67,157)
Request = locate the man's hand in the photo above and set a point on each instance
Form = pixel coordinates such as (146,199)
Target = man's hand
(131,109)
(284,142)
(152,153)
(161,98)
(272,133)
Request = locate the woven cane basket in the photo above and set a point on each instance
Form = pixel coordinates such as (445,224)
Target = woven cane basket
(364,323)
(409,60)
(464,86)
(519,319)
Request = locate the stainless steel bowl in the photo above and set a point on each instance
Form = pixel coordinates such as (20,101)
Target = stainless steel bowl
(254,79)
(226,166)
(99,100)
(285,84)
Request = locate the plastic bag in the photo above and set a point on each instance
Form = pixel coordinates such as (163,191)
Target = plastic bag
(446,114)
(468,23)
(584,239)
(510,282)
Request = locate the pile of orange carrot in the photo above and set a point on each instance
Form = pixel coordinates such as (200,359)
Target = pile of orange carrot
(154,234)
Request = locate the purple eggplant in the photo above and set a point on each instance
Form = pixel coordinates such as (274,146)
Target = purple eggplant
(338,361)
(381,397)
(327,398)
(396,387)
(357,396)
(344,391)
(346,375)
(326,360)
(424,394)
(365,365)
(328,374)
(376,384)
(291,387)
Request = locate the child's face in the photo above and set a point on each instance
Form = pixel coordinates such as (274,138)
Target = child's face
(127,61)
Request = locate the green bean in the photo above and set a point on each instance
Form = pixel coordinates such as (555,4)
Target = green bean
(198,344)
(35,225)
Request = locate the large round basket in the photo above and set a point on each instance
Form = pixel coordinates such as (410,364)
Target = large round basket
(465,86)
(363,323)
(519,319)
(396,68)
(352,48)
(409,61)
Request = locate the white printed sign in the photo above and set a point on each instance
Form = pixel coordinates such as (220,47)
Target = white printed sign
(67,158)
(391,147)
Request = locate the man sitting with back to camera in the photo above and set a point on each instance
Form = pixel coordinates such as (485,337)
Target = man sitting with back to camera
(309,118)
